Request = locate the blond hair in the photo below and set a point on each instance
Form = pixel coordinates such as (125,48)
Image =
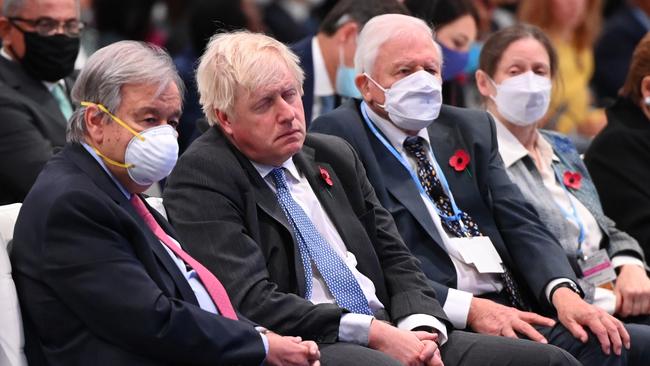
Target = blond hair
(241,60)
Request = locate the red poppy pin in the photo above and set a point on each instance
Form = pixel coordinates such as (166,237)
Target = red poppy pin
(326,176)
(572,179)
(459,161)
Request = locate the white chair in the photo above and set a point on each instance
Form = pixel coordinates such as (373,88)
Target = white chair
(11,325)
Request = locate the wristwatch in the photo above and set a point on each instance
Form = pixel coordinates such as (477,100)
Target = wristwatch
(568,284)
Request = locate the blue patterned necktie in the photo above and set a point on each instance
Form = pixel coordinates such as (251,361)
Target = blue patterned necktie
(339,278)
(414,146)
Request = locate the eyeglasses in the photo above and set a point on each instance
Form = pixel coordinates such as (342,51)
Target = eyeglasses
(48,27)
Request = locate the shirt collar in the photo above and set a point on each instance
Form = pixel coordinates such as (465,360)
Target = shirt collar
(322,83)
(511,150)
(394,134)
(101,163)
(264,170)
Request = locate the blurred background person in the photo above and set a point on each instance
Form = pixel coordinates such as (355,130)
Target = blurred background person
(40,43)
(613,51)
(572,26)
(327,57)
(290,21)
(618,157)
(206,17)
(456,26)
(517,66)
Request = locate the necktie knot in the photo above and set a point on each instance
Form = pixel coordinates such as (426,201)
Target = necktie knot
(279,178)
(414,145)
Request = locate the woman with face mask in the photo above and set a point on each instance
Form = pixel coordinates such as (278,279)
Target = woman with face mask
(516,68)
(456,24)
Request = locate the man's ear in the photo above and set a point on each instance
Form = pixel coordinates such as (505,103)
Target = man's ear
(645,87)
(362,83)
(223,119)
(94,122)
(5,28)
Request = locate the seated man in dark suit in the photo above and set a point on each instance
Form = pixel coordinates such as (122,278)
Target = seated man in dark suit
(326,57)
(437,170)
(40,42)
(100,276)
(292,227)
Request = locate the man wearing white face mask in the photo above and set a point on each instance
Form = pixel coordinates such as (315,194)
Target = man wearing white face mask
(437,170)
(326,57)
(100,276)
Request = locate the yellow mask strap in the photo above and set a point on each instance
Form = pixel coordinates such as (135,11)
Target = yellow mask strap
(115,118)
(111,161)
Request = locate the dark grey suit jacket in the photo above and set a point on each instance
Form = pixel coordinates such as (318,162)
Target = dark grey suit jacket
(486,193)
(32,128)
(230,220)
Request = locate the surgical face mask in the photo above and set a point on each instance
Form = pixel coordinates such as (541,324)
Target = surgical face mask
(454,64)
(413,102)
(345,76)
(523,99)
(150,155)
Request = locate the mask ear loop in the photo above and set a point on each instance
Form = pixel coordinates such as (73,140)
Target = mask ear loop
(121,123)
(382,106)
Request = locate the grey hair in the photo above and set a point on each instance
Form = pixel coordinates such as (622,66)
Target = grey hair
(383,28)
(12,8)
(112,67)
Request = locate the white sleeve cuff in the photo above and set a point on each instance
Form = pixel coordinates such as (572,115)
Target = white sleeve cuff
(554,283)
(354,328)
(418,320)
(621,260)
(457,307)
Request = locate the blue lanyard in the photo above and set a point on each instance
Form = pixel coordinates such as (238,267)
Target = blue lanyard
(457,212)
(572,215)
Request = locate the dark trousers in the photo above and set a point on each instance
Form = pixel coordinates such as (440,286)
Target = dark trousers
(462,349)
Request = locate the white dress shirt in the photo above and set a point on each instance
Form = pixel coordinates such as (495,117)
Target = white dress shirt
(353,327)
(322,84)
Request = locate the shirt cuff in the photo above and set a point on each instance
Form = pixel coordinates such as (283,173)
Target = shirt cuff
(354,328)
(418,320)
(457,307)
(554,283)
(621,260)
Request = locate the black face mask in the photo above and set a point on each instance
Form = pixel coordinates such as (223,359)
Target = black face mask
(49,58)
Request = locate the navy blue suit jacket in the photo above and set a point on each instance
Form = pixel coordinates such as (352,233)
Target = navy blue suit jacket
(488,195)
(96,287)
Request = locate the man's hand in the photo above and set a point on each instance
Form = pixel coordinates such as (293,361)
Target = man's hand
(488,317)
(409,348)
(291,351)
(576,314)
(632,291)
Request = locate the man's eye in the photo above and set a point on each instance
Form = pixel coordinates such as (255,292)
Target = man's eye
(174,123)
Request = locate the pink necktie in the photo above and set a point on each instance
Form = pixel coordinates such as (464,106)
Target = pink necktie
(215,288)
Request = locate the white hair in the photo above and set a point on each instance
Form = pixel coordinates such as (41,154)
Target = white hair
(109,69)
(241,59)
(382,29)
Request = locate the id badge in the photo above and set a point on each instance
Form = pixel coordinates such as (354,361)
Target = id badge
(479,252)
(597,269)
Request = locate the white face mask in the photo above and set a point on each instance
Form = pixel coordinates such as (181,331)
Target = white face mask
(150,155)
(523,99)
(413,103)
(154,158)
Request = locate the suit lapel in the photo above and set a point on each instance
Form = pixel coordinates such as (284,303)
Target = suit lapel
(33,90)
(87,163)
(402,186)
